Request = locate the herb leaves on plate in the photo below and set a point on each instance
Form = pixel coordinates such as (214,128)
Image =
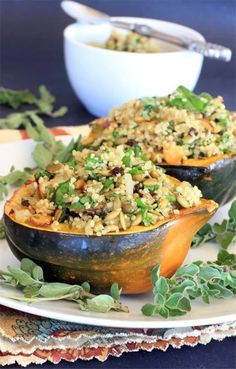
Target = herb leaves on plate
(223,233)
(173,296)
(29,279)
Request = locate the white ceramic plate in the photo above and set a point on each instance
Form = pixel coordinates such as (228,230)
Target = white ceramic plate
(19,155)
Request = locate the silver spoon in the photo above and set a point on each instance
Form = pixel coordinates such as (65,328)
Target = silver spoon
(85,14)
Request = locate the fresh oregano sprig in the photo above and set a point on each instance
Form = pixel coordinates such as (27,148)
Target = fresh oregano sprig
(172,296)
(223,233)
(29,279)
(44,105)
(47,148)
(14,177)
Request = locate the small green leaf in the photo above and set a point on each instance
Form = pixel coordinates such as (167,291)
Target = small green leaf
(63,189)
(208,273)
(187,271)
(220,228)
(161,286)
(159,299)
(108,182)
(179,302)
(86,286)
(27,265)
(232,210)
(57,289)
(46,100)
(229,238)
(37,273)
(155,275)
(65,154)
(31,290)
(227,259)
(101,303)
(60,112)
(115,292)
(126,160)
(149,309)
(23,278)
(42,156)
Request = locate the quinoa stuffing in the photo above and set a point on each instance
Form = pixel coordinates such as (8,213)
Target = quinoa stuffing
(170,129)
(103,191)
(132,42)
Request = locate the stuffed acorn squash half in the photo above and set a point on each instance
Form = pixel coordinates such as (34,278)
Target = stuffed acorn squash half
(106,216)
(192,137)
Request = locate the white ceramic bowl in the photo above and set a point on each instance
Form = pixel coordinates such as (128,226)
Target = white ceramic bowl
(104,78)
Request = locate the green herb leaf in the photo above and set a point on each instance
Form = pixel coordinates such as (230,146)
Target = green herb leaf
(101,303)
(135,171)
(183,98)
(22,278)
(14,99)
(93,161)
(108,182)
(126,160)
(57,289)
(63,189)
(28,266)
(42,156)
(86,286)
(115,292)
(15,177)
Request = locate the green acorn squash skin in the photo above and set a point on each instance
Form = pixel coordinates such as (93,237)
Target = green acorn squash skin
(126,259)
(216,181)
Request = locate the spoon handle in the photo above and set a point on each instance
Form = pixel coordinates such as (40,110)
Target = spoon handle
(207,49)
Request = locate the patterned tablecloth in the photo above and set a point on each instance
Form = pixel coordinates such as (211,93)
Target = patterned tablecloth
(26,339)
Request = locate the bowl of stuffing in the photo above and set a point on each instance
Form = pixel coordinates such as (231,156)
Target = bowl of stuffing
(107,66)
(193,137)
(108,215)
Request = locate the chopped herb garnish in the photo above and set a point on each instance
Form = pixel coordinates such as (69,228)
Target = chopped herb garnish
(108,182)
(148,106)
(135,171)
(65,188)
(184,98)
(93,162)
(145,218)
(152,188)
(115,134)
(85,199)
(126,160)
(171,197)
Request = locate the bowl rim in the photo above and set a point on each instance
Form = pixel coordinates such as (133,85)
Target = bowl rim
(69,37)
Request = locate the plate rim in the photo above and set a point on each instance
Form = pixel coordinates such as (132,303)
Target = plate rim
(115,323)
